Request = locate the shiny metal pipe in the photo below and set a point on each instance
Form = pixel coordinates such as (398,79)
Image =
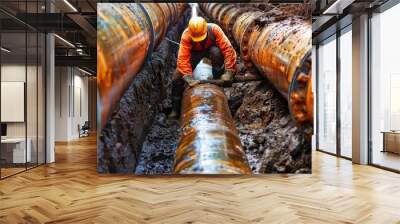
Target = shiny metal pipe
(278,46)
(209,141)
(127,33)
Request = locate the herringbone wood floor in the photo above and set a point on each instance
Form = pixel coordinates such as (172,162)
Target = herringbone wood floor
(70,191)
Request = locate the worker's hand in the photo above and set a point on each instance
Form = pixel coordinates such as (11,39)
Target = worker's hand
(227,76)
(190,81)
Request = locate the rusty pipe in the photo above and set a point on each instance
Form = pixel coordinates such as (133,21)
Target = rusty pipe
(127,33)
(282,52)
(224,14)
(209,141)
(277,45)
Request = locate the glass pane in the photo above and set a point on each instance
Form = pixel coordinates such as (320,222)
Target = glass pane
(346,94)
(41,98)
(22,79)
(386,89)
(327,96)
(32,97)
(13,86)
(314,81)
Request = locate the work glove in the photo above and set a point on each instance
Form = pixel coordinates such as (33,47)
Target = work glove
(190,81)
(227,76)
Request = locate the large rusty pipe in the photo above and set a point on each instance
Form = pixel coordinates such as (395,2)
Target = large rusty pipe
(277,45)
(127,33)
(209,141)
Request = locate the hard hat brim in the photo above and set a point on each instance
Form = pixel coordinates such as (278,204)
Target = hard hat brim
(200,38)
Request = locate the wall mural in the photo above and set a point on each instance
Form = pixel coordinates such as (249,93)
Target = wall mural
(208,88)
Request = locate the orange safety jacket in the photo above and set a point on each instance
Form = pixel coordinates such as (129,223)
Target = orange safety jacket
(187,46)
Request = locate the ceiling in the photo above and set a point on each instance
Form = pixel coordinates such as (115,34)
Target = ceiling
(74,22)
(332,15)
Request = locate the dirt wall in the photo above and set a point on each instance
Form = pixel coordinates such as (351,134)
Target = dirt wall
(121,140)
(272,140)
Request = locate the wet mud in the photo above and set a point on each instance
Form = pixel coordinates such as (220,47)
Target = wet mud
(121,140)
(140,139)
(158,151)
(271,138)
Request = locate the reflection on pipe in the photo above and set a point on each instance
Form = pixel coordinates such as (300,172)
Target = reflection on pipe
(209,140)
(278,46)
(126,35)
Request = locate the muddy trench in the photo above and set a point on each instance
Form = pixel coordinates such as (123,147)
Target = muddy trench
(147,98)
(140,139)
(272,141)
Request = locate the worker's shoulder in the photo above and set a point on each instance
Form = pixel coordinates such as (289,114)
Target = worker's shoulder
(215,27)
(186,35)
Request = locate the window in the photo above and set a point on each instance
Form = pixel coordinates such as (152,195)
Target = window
(385,89)
(331,133)
(346,93)
(22,78)
(327,96)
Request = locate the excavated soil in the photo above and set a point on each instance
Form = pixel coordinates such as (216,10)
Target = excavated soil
(158,151)
(121,140)
(271,139)
(139,139)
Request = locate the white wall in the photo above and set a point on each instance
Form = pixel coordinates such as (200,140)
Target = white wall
(33,127)
(13,73)
(71,102)
(80,110)
(61,103)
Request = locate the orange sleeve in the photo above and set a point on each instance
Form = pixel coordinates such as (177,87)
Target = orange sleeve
(183,62)
(226,47)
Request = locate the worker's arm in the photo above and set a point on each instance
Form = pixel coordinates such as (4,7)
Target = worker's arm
(226,48)
(183,63)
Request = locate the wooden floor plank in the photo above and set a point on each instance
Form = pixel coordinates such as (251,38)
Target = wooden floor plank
(71,191)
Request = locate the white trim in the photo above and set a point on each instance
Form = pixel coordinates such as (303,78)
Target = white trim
(65,41)
(70,5)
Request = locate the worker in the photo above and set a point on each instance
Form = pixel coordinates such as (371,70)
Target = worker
(201,40)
